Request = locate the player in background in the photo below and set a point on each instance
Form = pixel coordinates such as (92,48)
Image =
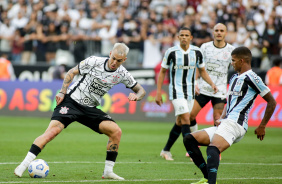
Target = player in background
(97,75)
(217,56)
(182,61)
(233,124)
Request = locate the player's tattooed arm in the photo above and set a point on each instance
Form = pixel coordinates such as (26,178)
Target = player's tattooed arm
(139,93)
(69,78)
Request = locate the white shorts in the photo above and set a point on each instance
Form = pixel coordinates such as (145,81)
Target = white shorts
(231,131)
(182,106)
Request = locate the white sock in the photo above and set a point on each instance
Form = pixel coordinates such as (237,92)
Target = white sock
(109,165)
(29,158)
(194,128)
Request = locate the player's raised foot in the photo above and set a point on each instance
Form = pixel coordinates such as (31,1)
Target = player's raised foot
(111,175)
(19,170)
(166,155)
(201,181)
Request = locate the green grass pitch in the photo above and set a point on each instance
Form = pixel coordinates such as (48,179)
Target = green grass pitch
(77,155)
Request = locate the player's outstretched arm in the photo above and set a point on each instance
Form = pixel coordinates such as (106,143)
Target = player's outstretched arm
(66,83)
(139,93)
(204,74)
(271,104)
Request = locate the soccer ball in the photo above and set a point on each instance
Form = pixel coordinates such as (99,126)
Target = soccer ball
(38,169)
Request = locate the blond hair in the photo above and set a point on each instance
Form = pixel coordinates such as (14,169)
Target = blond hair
(121,49)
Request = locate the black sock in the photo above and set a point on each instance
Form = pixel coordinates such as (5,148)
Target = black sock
(173,136)
(193,122)
(213,163)
(191,145)
(34,149)
(185,129)
(111,156)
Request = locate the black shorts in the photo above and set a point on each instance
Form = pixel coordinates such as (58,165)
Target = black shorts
(204,99)
(69,111)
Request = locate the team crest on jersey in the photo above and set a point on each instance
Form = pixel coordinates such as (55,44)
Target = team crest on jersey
(64,110)
(115,79)
(225,55)
(192,59)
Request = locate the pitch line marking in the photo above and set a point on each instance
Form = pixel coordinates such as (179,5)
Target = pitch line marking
(87,162)
(138,180)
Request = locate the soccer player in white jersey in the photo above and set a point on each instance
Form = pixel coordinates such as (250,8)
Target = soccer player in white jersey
(181,60)
(233,123)
(217,56)
(96,76)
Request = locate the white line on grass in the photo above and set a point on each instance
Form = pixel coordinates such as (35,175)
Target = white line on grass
(87,162)
(139,180)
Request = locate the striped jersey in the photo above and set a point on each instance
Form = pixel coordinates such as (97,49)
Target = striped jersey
(94,81)
(243,90)
(217,61)
(182,65)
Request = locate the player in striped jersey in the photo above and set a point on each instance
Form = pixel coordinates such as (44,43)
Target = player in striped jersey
(217,56)
(181,60)
(233,123)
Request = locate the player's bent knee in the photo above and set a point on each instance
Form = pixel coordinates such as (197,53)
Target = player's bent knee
(116,134)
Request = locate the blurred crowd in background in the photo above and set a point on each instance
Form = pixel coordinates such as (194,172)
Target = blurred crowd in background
(57,32)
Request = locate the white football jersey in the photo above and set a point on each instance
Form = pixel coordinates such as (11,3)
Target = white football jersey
(95,81)
(217,61)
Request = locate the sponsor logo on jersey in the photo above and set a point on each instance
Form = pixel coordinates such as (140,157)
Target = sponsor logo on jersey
(98,87)
(236,93)
(64,110)
(208,88)
(183,67)
(86,101)
(255,77)
(108,116)
(212,66)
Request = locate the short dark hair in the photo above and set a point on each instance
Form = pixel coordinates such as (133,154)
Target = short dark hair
(185,28)
(243,52)
(277,61)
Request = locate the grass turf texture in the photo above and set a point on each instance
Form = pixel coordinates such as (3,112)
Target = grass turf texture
(77,155)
